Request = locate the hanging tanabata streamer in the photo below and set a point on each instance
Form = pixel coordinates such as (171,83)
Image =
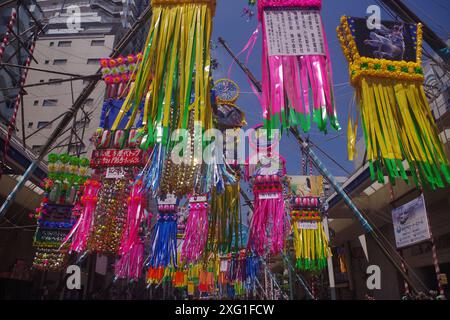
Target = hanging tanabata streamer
(268,223)
(196,229)
(385,67)
(118,73)
(131,251)
(163,251)
(59,209)
(296,64)
(116,161)
(310,240)
(224,224)
(174,81)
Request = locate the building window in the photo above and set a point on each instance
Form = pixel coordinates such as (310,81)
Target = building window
(93,61)
(51,44)
(45,124)
(97,43)
(36,148)
(41,81)
(64,43)
(50,102)
(35,102)
(59,61)
(46,61)
(57,81)
(30,124)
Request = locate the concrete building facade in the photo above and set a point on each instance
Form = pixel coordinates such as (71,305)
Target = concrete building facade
(79,33)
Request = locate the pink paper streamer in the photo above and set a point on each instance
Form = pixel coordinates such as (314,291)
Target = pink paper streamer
(196,232)
(267,228)
(293,76)
(131,250)
(81,230)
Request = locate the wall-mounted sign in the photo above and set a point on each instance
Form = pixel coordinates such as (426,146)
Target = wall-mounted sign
(411,223)
(117,158)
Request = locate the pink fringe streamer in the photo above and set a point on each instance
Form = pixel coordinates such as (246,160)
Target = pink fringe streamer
(130,264)
(267,228)
(81,230)
(292,76)
(196,232)
(132,249)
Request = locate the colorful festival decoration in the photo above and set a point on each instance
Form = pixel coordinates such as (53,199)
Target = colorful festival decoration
(131,251)
(225,221)
(59,209)
(310,240)
(248,11)
(296,63)
(228,114)
(163,254)
(174,81)
(268,223)
(385,67)
(118,73)
(196,229)
(113,205)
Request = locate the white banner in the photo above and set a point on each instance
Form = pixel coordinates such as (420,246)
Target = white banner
(266,196)
(307,225)
(115,173)
(411,223)
(294,32)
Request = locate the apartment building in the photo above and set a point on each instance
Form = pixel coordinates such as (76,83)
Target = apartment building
(78,35)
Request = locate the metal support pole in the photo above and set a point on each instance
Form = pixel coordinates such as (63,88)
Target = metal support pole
(291,286)
(70,113)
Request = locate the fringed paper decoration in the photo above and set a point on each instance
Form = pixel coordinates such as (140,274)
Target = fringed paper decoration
(224,225)
(117,161)
(109,216)
(236,275)
(385,67)
(207,278)
(180,279)
(193,275)
(79,235)
(310,241)
(268,223)
(118,73)
(131,251)
(53,226)
(196,230)
(252,271)
(164,237)
(57,215)
(174,81)
(297,76)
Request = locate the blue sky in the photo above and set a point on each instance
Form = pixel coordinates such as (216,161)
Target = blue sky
(229,24)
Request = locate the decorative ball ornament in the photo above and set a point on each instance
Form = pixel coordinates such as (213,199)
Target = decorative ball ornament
(227,91)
